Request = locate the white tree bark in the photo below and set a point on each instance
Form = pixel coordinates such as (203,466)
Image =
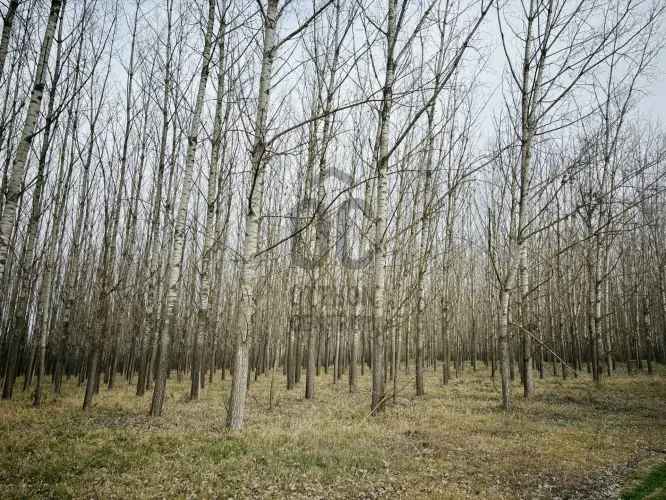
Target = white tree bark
(381,217)
(15,185)
(247,306)
(46,290)
(8,22)
(204,319)
(174,265)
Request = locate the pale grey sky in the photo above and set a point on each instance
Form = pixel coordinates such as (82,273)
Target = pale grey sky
(653,105)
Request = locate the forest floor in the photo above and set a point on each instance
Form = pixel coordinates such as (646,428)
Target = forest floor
(571,440)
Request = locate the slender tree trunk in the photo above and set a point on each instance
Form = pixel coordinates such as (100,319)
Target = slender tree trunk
(247,306)
(204,319)
(150,324)
(14,187)
(8,22)
(46,296)
(175,265)
(381,221)
(504,348)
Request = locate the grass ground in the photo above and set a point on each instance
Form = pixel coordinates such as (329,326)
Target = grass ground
(571,441)
(650,483)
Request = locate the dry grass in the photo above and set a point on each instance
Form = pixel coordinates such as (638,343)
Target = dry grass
(571,441)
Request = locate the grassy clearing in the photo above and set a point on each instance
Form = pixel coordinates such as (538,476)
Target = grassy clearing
(650,483)
(571,441)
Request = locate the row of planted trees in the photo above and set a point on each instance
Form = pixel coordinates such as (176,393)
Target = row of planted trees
(261,188)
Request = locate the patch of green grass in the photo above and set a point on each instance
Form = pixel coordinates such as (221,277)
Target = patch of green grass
(653,486)
(217,451)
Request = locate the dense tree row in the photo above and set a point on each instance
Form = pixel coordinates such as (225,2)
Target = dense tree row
(278,188)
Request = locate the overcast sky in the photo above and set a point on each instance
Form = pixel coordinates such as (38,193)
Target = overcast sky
(653,105)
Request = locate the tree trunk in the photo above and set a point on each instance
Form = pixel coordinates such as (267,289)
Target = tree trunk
(175,265)
(247,306)
(204,319)
(381,221)
(8,22)
(15,185)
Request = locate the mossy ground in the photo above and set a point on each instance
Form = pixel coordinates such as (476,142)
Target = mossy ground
(572,440)
(649,482)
